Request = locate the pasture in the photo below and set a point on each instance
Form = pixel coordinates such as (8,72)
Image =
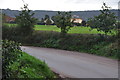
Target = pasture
(73,30)
(76,29)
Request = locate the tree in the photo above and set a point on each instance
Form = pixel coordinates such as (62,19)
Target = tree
(63,21)
(105,21)
(83,23)
(42,21)
(46,17)
(118,30)
(25,21)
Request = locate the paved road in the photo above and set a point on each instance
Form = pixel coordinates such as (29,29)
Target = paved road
(74,64)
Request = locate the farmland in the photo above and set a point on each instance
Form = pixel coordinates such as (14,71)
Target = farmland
(76,29)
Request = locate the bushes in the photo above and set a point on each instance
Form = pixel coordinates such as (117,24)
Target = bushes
(17,64)
(111,50)
(51,43)
(89,43)
(10,33)
(10,53)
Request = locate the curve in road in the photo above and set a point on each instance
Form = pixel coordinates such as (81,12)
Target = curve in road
(74,64)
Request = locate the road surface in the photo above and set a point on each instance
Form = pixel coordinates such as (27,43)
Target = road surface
(74,64)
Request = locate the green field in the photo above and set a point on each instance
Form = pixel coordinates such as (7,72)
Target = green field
(76,29)
(79,30)
(47,28)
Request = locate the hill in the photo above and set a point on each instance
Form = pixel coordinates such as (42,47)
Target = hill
(41,13)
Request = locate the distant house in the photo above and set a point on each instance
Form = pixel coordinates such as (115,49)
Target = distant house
(50,20)
(9,19)
(76,19)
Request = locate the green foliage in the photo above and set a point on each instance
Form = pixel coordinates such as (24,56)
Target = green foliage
(83,23)
(63,21)
(111,50)
(25,21)
(11,32)
(88,43)
(42,21)
(30,67)
(105,21)
(118,30)
(46,17)
(10,53)
(53,43)
(18,64)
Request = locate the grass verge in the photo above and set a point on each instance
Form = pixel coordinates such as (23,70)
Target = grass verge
(30,67)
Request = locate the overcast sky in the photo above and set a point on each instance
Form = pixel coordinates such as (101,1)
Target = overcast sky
(58,5)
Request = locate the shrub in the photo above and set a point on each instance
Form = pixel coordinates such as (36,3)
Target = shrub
(18,64)
(10,53)
(30,67)
(51,43)
(111,50)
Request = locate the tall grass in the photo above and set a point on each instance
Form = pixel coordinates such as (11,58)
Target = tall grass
(30,67)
